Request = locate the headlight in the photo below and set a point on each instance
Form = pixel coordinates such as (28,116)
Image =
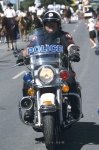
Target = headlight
(46,74)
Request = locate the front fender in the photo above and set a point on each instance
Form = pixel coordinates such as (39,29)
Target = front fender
(47,103)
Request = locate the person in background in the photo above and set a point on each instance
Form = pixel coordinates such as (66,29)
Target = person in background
(37,21)
(10,13)
(92,32)
(97,11)
(68,13)
(97,28)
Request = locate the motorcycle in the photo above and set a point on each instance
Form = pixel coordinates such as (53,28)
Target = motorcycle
(47,95)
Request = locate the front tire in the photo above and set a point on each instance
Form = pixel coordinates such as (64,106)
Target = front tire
(49,131)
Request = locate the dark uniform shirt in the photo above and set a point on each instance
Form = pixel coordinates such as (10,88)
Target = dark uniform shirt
(60,38)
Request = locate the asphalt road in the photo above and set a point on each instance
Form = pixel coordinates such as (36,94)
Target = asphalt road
(84,135)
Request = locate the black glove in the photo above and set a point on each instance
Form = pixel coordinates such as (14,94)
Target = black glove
(20,59)
(75,57)
(27,60)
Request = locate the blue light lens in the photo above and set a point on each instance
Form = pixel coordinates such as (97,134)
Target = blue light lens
(27,77)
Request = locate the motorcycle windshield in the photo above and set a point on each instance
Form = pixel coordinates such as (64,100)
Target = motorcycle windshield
(45,48)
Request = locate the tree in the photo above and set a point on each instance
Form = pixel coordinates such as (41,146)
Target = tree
(26,3)
(67,2)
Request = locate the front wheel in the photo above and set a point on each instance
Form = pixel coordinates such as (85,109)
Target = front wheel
(49,131)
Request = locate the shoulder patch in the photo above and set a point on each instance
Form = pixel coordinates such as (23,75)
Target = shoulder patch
(34,37)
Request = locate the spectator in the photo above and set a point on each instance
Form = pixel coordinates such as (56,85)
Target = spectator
(97,28)
(10,14)
(97,10)
(92,32)
(37,21)
(9,11)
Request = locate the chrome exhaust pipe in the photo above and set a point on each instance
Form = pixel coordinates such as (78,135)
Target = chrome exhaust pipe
(26,103)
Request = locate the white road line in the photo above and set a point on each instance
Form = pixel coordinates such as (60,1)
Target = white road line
(18,75)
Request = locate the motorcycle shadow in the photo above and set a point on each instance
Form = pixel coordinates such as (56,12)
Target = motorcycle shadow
(80,134)
(77,136)
(39,140)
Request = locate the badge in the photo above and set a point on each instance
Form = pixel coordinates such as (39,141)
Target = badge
(34,37)
(50,14)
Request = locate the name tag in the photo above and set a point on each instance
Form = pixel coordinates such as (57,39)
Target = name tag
(45,48)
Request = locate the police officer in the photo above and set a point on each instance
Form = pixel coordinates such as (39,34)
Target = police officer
(52,26)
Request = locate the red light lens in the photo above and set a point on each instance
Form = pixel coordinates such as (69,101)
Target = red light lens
(64,75)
